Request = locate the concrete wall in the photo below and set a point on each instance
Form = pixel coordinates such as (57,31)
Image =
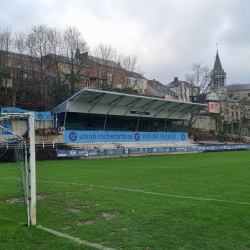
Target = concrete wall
(204,122)
(43,124)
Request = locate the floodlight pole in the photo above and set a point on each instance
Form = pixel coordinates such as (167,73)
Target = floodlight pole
(32,167)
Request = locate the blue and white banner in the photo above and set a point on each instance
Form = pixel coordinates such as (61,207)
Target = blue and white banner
(8,130)
(39,116)
(128,151)
(112,136)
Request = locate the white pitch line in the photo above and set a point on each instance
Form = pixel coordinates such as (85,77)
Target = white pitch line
(86,243)
(148,192)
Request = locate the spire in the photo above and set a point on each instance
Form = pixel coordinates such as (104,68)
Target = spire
(217,63)
(77,52)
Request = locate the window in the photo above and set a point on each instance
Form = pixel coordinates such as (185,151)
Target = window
(142,83)
(64,69)
(119,76)
(19,64)
(216,106)
(119,85)
(90,85)
(215,82)
(29,66)
(87,73)
(128,80)
(211,106)
(109,76)
(8,63)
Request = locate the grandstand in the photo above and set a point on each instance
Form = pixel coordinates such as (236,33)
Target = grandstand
(94,117)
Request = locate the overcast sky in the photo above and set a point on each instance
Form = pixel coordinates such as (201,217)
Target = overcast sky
(168,36)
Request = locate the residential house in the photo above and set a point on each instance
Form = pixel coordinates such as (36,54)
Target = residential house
(156,88)
(183,90)
(136,81)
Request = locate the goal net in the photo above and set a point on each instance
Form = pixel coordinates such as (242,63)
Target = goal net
(17,134)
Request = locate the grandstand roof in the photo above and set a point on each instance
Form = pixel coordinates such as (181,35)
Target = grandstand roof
(113,103)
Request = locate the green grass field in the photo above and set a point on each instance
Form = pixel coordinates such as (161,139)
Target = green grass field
(189,201)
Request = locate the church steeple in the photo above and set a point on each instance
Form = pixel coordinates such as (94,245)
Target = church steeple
(217,63)
(77,52)
(218,77)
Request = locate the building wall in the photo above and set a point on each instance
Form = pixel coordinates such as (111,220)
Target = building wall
(213,107)
(139,84)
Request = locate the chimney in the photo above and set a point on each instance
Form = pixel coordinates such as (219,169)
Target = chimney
(154,83)
(176,79)
(83,56)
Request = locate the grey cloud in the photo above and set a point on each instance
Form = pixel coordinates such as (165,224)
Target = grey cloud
(170,35)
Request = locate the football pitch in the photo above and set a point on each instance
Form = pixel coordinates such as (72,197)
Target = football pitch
(185,201)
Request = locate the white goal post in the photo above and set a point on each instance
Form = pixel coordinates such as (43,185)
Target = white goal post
(10,137)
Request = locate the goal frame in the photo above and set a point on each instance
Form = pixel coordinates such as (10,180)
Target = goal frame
(31,160)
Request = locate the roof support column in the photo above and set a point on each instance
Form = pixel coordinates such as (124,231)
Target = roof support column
(112,105)
(144,108)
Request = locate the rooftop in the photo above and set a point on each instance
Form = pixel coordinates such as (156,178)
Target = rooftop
(161,88)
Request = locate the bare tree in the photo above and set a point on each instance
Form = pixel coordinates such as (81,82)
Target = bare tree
(73,41)
(238,95)
(6,42)
(113,67)
(108,61)
(129,62)
(200,77)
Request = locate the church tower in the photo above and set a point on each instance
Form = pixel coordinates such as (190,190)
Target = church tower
(218,78)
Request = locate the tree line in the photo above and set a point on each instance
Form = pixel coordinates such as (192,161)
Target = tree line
(31,71)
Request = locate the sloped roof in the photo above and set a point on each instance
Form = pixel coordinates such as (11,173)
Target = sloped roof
(17,55)
(65,59)
(113,103)
(134,74)
(238,87)
(161,88)
(178,83)
(104,62)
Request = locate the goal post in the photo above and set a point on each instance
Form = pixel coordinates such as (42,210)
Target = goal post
(14,127)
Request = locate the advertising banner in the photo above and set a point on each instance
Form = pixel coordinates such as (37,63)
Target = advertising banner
(113,136)
(126,151)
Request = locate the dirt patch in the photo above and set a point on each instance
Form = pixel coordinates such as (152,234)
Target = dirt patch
(88,222)
(66,227)
(72,201)
(109,216)
(15,199)
(202,135)
(74,210)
